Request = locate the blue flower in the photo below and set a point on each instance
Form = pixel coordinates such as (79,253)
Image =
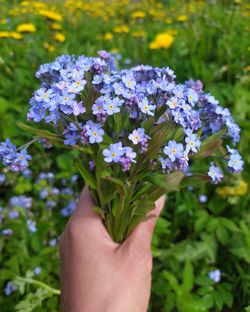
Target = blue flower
(112,106)
(7,232)
(78,108)
(192,97)
(114,153)
(69,209)
(235,162)
(95,133)
(193,143)
(202,199)
(2,178)
(10,288)
(37,270)
(215,173)
(31,226)
(174,150)
(13,214)
(146,108)
(138,136)
(17,161)
(129,81)
(173,102)
(215,276)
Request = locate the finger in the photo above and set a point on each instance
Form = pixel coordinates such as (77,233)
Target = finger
(86,216)
(142,234)
(86,206)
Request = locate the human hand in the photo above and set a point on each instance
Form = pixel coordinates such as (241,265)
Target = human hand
(99,275)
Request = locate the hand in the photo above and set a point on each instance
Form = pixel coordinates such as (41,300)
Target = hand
(99,275)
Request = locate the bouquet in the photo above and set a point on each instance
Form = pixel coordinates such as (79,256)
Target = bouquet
(137,133)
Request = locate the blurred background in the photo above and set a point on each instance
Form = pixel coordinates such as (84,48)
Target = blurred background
(202,242)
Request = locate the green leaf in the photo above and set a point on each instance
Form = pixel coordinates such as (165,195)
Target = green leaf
(194,179)
(210,145)
(170,182)
(40,133)
(187,277)
(86,174)
(172,281)
(118,182)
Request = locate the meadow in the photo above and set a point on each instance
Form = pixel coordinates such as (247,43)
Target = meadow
(201,245)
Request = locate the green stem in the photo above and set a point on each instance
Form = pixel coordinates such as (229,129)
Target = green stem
(41,284)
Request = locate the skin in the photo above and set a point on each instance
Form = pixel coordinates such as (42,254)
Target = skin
(99,275)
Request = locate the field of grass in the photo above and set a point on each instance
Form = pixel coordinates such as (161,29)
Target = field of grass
(203,229)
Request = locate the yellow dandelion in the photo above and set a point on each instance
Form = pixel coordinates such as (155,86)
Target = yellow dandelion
(139,33)
(49,47)
(3,21)
(51,15)
(172,32)
(239,190)
(182,18)
(168,20)
(247,68)
(121,29)
(39,5)
(114,51)
(162,40)
(25,3)
(28,27)
(10,34)
(245,14)
(59,37)
(56,26)
(138,14)
(108,36)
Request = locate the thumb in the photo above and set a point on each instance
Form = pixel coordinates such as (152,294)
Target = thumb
(142,234)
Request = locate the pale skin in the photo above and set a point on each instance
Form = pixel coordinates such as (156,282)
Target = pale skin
(99,275)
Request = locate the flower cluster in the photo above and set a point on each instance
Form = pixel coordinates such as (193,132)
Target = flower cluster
(16,159)
(132,128)
(84,95)
(48,192)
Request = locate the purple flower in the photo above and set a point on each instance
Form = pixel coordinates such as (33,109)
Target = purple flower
(104,54)
(13,214)
(173,150)
(78,108)
(127,159)
(138,136)
(114,153)
(215,173)
(7,232)
(165,164)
